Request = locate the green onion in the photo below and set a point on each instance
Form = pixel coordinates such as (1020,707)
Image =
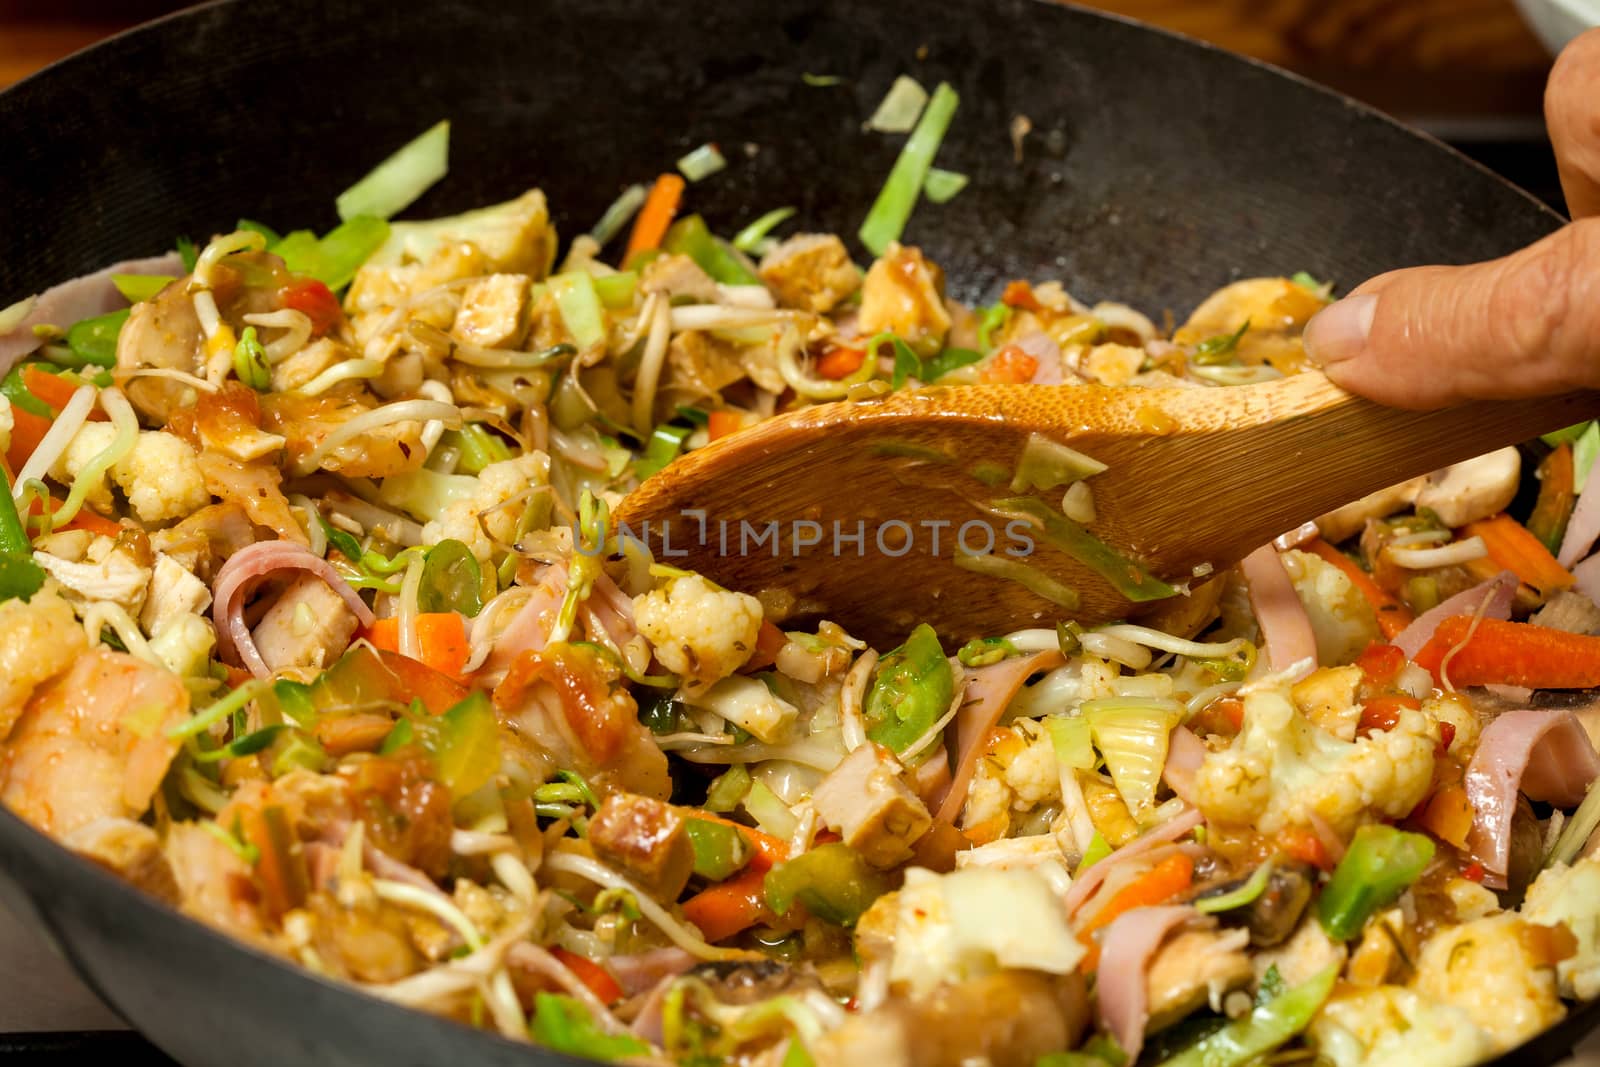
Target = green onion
(1047,464)
(728,790)
(993,320)
(246,852)
(617,215)
(1024,574)
(702,162)
(1578,828)
(1099,848)
(1219,349)
(20,576)
(272,236)
(616,291)
(898,111)
(335,258)
(93,342)
(663,447)
(579,305)
(1247,1040)
(395,183)
(219,710)
(1238,898)
(1379,865)
(912,687)
(698,416)
(1570,433)
(248,745)
(720,850)
(12,389)
(753,237)
(948,360)
(906,362)
(1584,453)
(943,186)
(250,362)
(820,81)
(139,287)
(690,237)
(833,881)
(562,1024)
(983,651)
(1304,280)
(187,252)
(892,209)
(1127,576)
(452,580)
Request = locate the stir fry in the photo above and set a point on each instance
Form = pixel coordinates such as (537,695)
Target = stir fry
(313,625)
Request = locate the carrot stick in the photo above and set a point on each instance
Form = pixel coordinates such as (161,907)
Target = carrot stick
(441,640)
(1512,653)
(1162,882)
(83,520)
(840,362)
(1393,616)
(1558,492)
(27,430)
(1513,548)
(655,216)
(1010,366)
(53,389)
(591,974)
(731,906)
(721,423)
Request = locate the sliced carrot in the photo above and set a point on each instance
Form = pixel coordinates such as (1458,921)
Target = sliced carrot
(83,520)
(768,641)
(27,430)
(729,907)
(1381,664)
(841,361)
(1306,847)
(438,692)
(441,640)
(722,423)
(1511,653)
(54,389)
(1448,816)
(1224,716)
(1382,712)
(1019,294)
(1160,883)
(655,216)
(1010,366)
(1393,616)
(1513,548)
(591,974)
(281,867)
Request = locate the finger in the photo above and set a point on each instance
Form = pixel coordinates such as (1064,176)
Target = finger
(1572,115)
(1525,325)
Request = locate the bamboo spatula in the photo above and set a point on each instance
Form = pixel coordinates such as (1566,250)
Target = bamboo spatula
(1195,479)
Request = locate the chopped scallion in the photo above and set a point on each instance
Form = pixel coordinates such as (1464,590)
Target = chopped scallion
(580,308)
(753,237)
(140,287)
(892,209)
(943,186)
(820,81)
(622,209)
(1024,574)
(702,163)
(898,110)
(394,184)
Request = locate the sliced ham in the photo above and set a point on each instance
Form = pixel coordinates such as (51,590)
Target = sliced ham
(71,302)
(243,571)
(989,690)
(1185,753)
(1126,948)
(640,972)
(529,629)
(1285,626)
(1584,526)
(1546,754)
(1586,576)
(1499,590)
(1084,886)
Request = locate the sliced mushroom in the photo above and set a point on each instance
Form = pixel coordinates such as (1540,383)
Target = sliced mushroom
(1352,518)
(1465,492)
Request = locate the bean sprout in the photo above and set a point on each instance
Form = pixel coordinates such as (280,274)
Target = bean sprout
(1463,551)
(347,370)
(55,441)
(376,419)
(650,364)
(296,327)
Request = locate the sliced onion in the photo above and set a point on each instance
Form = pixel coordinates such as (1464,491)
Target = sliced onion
(1285,626)
(243,571)
(1126,948)
(1499,590)
(1546,754)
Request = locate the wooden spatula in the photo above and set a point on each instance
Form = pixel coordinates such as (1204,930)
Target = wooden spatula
(1195,479)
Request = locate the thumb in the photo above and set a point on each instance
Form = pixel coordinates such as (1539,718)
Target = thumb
(1525,325)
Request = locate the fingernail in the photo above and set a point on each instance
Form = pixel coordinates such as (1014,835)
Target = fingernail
(1339,331)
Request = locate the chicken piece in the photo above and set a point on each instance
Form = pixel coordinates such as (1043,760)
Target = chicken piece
(647,839)
(39,638)
(679,277)
(203,540)
(865,800)
(1277,310)
(1007,1019)
(254,487)
(93,743)
(173,592)
(1465,492)
(494,311)
(904,294)
(109,572)
(1352,518)
(1570,611)
(811,272)
(308,626)
(295,371)
(130,850)
(1499,969)
(161,333)
(1191,968)
(1113,364)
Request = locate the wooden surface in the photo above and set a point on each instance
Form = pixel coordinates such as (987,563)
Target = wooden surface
(1421,59)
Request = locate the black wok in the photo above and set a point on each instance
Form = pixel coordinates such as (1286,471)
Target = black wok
(1157,169)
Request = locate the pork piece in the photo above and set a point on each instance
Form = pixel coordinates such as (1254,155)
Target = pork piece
(647,839)
(867,803)
(811,271)
(1006,1019)
(309,626)
(679,277)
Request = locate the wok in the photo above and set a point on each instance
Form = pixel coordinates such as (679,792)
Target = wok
(1156,170)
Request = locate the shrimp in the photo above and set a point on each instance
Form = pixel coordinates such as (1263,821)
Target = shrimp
(39,638)
(93,743)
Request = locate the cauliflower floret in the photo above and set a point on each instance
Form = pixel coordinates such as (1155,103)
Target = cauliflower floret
(39,638)
(160,475)
(1327,698)
(1281,769)
(1498,971)
(1390,1024)
(1035,774)
(1113,364)
(1571,895)
(1341,618)
(700,630)
(972,922)
(497,484)
(161,478)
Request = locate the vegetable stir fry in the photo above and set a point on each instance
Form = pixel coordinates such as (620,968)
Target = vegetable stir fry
(314,626)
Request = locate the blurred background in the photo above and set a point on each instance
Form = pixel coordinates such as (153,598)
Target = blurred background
(1470,72)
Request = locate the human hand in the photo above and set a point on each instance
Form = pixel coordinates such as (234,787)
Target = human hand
(1524,325)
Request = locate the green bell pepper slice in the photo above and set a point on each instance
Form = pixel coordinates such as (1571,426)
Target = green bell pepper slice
(913,687)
